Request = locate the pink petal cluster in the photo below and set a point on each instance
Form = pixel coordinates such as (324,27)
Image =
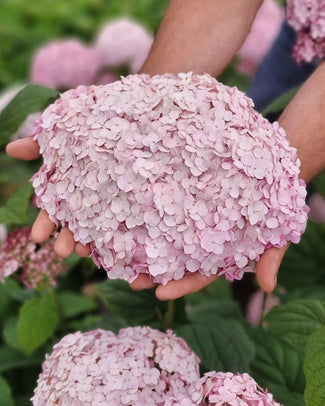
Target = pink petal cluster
(124,42)
(307,17)
(40,265)
(138,367)
(263,32)
(226,388)
(169,175)
(65,64)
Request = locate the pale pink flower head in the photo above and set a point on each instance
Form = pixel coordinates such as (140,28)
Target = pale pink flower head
(226,388)
(124,42)
(307,17)
(65,64)
(39,265)
(169,175)
(139,367)
(263,32)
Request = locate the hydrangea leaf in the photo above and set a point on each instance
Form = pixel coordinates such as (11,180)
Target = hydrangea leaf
(222,345)
(11,358)
(135,306)
(14,212)
(306,260)
(10,334)
(30,99)
(315,369)
(295,321)
(6,398)
(281,102)
(73,304)
(225,309)
(278,367)
(38,318)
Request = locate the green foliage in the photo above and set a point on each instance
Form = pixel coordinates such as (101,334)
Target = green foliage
(38,318)
(30,99)
(296,321)
(281,102)
(279,368)
(14,211)
(222,345)
(315,369)
(6,398)
(137,307)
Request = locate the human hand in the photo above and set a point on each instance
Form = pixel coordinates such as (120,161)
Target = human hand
(266,272)
(28,149)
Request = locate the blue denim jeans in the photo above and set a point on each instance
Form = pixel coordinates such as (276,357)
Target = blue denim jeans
(279,72)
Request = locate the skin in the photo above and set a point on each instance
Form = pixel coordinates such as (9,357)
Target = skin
(185,46)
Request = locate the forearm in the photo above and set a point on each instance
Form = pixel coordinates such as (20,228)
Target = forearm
(200,35)
(304,122)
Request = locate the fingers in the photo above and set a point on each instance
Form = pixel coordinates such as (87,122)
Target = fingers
(25,149)
(188,284)
(82,250)
(267,267)
(42,228)
(64,244)
(142,282)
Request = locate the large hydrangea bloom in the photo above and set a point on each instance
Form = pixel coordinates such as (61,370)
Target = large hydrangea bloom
(124,42)
(138,367)
(226,388)
(307,17)
(40,265)
(263,32)
(65,64)
(169,175)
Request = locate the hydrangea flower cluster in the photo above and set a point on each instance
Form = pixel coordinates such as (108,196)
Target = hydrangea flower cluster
(124,42)
(307,17)
(65,64)
(226,388)
(138,367)
(39,264)
(168,175)
(263,32)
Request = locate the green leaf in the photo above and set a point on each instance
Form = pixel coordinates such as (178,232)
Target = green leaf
(30,99)
(38,318)
(224,309)
(10,333)
(6,398)
(12,359)
(281,102)
(315,369)
(278,368)
(73,304)
(14,212)
(134,306)
(295,321)
(92,322)
(306,261)
(222,345)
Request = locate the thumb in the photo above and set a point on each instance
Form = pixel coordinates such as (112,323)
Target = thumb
(268,266)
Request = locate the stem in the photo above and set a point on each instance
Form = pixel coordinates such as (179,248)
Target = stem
(170,314)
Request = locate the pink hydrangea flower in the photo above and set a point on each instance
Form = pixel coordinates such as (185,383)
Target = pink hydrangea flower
(65,64)
(226,388)
(263,32)
(169,175)
(138,367)
(307,17)
(40,265)
(124,42)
